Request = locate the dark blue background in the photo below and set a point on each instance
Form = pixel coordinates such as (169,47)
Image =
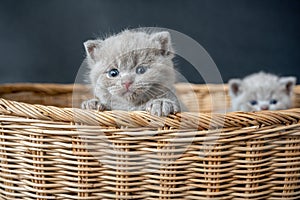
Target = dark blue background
(41,41)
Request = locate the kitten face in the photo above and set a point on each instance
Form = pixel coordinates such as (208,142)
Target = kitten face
(261,91)
(133,77)
(134,66)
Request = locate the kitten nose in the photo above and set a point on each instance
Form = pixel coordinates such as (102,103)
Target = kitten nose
(127,84)
(264,107)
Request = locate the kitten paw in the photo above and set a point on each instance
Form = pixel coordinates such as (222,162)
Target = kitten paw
(93,104)
(162,107)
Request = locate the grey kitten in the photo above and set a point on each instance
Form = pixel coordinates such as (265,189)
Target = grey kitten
(132,70)
(261,91)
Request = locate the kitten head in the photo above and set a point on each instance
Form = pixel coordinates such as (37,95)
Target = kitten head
(130,63)
(261,91)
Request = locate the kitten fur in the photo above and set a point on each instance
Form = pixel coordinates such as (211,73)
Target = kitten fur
(149,89)
(261,91)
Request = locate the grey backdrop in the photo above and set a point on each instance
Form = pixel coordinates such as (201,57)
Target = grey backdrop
(41,41)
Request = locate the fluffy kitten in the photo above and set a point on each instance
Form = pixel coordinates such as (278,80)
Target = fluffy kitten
(261,91)
(132,70)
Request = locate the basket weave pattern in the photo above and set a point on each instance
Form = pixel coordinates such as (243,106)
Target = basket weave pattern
(46,153)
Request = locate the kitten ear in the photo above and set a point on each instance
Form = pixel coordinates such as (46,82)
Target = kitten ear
(287,84)
(235,87)
(164,39)
(90,47)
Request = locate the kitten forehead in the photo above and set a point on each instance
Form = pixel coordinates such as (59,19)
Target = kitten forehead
(129,60)
(261,82)
(259,93)
(128,42)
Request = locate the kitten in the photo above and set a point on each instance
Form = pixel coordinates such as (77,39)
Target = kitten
(132,70)
(261,91)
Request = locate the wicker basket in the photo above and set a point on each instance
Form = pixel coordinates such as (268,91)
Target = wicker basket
(47,153)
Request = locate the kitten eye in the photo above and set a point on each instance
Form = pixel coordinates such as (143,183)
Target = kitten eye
(273,101)
(140,69)
(253,102)
(113,73)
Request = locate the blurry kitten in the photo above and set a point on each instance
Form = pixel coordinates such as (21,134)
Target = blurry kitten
(261,91)
(132,71)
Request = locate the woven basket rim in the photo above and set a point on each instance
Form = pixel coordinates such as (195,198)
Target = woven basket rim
(47,88)
(138,119)
(59,88)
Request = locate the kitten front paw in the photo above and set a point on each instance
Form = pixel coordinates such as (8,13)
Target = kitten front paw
(93,104)
(162,107)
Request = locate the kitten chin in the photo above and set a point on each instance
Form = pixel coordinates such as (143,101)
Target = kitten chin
(261,91)
(133,71)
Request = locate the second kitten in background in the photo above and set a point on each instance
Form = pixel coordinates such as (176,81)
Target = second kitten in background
(261,91)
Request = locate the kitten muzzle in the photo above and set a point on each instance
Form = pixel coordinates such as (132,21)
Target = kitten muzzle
(127,85)
(264,107)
